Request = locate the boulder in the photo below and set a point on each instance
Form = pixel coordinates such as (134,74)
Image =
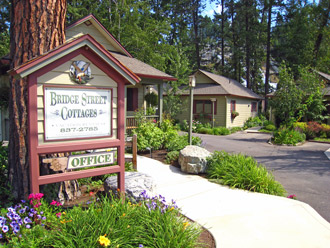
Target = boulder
(192,159)
(135,184)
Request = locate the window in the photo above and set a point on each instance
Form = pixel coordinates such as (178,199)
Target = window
(132,99)
(204,107)
(254,107)
(232,105)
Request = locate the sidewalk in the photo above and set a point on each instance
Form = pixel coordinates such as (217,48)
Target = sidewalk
(238,218)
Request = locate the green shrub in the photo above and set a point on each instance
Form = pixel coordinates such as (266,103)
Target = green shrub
(243,172)
(288,136)
(254,121)
(221,131)
(181,141)
(235,129)
(184,125)
(205,130)
(172,156)
(5,189)
(270,127)
(149,135)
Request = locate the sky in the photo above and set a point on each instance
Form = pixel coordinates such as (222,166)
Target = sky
(211,8)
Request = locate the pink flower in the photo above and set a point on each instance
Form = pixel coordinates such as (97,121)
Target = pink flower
(53,203)
(59,214)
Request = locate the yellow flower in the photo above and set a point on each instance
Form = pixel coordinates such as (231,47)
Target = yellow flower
(104,241)
(185,224)
(172,208)
(128,226)
(64,213)
(124,214)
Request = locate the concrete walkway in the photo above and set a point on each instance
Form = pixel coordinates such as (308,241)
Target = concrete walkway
(238,218)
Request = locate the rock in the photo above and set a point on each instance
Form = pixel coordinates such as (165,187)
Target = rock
(192,159)
(135,184)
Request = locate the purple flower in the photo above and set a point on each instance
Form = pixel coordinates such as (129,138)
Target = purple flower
(23,201)
(1,236)
(28,226)
(27,220)
(43,218)
(21,211)
(16,228)
(5,229)
(10,215)
(141,245)
(39,216)
(17,217)
(31,215)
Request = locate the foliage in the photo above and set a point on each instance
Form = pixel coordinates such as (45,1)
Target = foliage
(205,130)
(288,136)
(297,99)
(5,189)
(172,156)
(149,135)
(235,129)
(234,114)
(108,221)
(253,122)
(151,99)
(243,172)
(181,141)
(313,129)
(270,127)
(221,131)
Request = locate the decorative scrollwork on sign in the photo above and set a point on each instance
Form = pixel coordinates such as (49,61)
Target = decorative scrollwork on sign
(80,72)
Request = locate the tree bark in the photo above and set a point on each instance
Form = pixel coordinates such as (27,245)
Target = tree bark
(268,53)
(37,26)
(247,44)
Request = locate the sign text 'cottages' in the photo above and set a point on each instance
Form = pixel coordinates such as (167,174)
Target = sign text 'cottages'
(73,113)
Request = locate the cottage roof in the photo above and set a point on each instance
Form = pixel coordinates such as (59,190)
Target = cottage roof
(221,85)
(142,69)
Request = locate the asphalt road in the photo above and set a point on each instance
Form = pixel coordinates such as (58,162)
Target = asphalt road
(302,170)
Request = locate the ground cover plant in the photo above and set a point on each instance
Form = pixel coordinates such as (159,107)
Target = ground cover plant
(105,222)
(242,172)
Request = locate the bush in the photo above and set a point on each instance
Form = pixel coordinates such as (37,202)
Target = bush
(243,172)
(288,136)
(313,129)
(235,129)
(270,127)
(221,131)
(181,141)
(172,156)
(5,190)
(149,135)
(252,122)
(205,130)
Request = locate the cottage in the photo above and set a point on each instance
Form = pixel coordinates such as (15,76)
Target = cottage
(231,102)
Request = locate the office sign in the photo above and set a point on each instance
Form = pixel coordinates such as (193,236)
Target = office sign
(91,159)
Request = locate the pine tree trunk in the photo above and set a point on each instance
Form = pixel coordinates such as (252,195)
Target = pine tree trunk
(268,54)
(37,26)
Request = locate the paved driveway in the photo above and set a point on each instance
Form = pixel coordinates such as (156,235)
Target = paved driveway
(302,170)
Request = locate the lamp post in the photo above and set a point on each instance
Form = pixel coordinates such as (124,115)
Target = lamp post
(213,101)
(192,84)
